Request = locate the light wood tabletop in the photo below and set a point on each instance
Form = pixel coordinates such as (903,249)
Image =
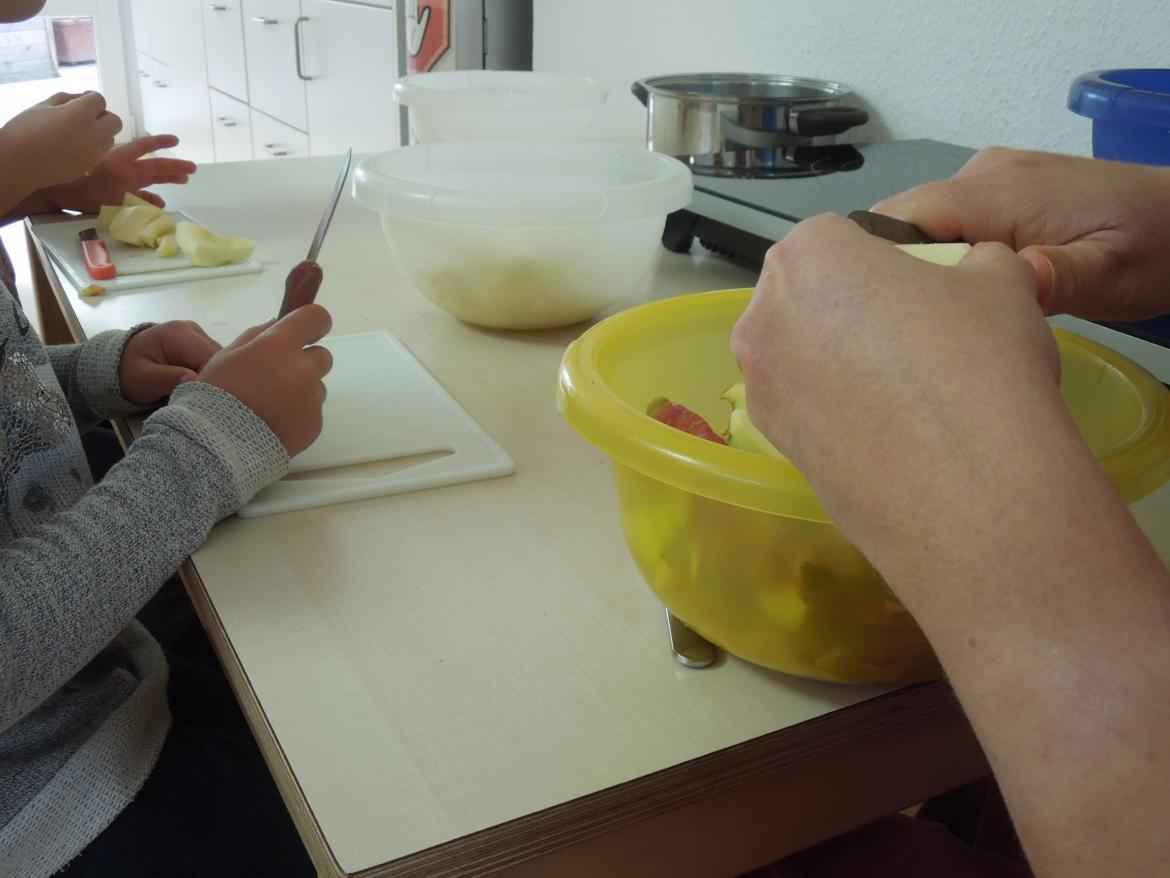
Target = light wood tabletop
(474,679)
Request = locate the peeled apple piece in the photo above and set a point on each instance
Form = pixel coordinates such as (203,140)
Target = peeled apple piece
(156,229)
(168,246)
(106,216)
(741,432)
(939,254)
(129,224)
(131,200)
(207,249)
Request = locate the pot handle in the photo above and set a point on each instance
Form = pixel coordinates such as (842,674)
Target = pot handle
(640,92)
(823,121)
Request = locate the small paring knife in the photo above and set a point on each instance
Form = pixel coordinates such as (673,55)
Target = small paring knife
(303,282)
(97,256)
(890,229)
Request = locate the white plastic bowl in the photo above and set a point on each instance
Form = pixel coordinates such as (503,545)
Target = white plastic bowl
(466,105)
(523,235)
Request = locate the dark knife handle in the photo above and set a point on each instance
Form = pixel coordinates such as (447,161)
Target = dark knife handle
(300,287)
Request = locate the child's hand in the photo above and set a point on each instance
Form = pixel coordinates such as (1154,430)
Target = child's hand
(59,139)
(276,369)
(159,358)
(124,169)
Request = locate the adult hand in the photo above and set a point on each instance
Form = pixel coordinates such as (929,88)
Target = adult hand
(59,139)
(159,358)
(1094,231)
(276,369)
(874,371)
(124,169)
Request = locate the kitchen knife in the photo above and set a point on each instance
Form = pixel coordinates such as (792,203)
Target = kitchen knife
(891,229)
(302,283)
(97,257)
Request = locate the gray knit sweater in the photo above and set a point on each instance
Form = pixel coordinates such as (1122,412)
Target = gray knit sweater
(83,710)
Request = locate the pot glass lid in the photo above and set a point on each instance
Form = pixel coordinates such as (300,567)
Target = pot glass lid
(744,87)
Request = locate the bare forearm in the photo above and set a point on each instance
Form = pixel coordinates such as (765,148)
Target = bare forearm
(1051,615)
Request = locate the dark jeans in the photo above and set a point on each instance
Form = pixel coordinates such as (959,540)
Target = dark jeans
(209,809)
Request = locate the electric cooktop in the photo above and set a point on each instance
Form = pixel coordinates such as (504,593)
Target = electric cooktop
(741,215)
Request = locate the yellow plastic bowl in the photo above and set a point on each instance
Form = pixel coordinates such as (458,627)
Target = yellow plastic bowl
(735,543)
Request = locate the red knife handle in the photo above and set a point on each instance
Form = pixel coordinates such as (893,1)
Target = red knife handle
(97,260)
(301,285)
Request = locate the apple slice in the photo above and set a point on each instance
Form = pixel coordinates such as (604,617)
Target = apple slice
(129,223)
(168,246)
(205,248)
(154,230)
(682,418)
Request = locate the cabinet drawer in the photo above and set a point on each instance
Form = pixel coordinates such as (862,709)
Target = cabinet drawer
(231,128)
(270,39)
(223,31)
(155,84)
(272,139)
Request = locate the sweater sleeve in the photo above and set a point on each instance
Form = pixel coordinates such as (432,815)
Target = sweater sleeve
(88,374)
(70,586)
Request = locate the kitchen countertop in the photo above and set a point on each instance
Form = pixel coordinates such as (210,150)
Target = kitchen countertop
(474,679)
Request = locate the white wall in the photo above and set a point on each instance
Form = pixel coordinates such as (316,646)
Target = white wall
(973,73)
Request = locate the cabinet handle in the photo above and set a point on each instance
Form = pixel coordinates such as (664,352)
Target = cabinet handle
(275,149)
(158,83)
(144,74)
(226,121)
(260,19)
(215,7)
(297,47)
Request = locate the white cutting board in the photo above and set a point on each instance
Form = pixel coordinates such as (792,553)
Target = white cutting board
(383,404)
(137,266)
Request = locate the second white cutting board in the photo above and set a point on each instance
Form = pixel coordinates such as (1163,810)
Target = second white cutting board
(383,404)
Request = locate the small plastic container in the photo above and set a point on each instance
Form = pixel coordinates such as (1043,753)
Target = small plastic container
(1130,110)
(477,105)
(735,543)
(523,235)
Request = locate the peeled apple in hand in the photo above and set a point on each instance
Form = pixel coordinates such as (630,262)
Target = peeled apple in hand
(205,248)
(741,432)
(939,254)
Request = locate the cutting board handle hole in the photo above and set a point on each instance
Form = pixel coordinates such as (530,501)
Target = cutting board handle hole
(370,470)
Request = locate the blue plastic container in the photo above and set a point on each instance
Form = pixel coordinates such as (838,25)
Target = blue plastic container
(1130,110)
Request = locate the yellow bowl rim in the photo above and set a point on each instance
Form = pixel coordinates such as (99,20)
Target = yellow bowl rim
(633,439)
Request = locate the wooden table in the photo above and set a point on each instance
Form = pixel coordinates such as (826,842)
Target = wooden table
(474,679)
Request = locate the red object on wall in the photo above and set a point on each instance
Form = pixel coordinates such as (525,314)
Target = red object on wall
(428,34)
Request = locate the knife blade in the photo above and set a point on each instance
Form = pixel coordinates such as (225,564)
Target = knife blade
(97,256)
(891,229)
(303,282)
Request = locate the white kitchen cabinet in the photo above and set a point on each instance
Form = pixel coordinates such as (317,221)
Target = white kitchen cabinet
(272,139)
(152,82)
(231,128)
(275,85)
(348,53)
(174,95)
(223,33)
(140,18)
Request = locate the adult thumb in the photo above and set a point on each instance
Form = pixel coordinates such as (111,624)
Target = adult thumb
(1072,278)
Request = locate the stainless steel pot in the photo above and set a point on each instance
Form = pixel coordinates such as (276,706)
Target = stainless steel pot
(721,122)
